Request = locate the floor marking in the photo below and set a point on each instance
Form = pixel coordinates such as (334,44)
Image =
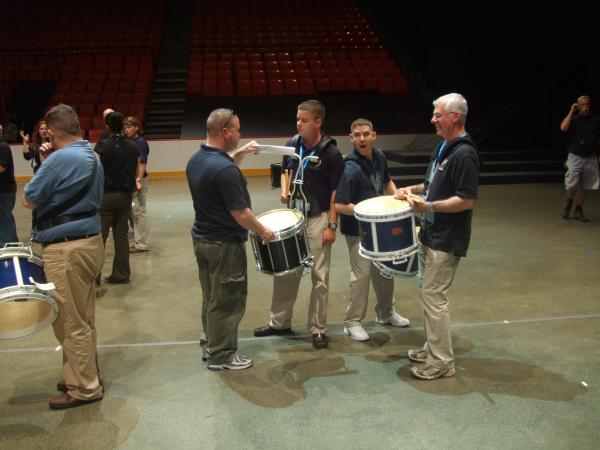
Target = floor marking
(306,336)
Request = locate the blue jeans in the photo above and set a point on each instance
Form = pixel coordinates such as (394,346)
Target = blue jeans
(8,229)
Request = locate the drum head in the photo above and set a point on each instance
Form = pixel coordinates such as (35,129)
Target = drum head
(22,318)
(280,219)
(383,206)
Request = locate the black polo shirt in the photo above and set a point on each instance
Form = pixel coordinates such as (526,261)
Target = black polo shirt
(7,178)
(584,134)
(456,174)
(217,186)
(362,179)
(119,157)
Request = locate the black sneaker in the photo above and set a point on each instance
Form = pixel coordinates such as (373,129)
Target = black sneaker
(566,211)
(579,216)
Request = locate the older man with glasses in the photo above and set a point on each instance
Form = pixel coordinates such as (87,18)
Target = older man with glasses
(223,216)
(449,194)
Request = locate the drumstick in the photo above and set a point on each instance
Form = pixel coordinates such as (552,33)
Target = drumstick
(289,180)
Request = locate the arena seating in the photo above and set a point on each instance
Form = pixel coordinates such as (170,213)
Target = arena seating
(262,49)
(95,63)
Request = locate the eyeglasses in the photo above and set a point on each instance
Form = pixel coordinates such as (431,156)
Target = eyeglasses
(229,117)
(437,115)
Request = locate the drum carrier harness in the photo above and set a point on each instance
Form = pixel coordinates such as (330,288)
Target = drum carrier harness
(301,197)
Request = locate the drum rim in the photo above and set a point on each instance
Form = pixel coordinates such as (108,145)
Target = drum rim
(26,253)
(381,214)
(284,233)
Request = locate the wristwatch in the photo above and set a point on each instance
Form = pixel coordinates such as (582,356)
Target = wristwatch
(332,226)
(430,208)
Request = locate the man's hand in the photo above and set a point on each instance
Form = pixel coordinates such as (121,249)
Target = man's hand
(328,237)
(417,203)
(403,193)
(45,150)
(267,235)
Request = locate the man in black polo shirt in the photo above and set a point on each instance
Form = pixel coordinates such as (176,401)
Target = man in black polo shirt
(449,196)
(582,162)
(223,216)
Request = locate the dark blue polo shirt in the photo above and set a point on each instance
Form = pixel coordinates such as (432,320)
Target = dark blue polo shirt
(457,174)
(362,179)
(217,187)
(323,179)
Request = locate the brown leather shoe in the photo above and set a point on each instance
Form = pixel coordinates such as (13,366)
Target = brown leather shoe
(65,401)
(320,340)
(268,330)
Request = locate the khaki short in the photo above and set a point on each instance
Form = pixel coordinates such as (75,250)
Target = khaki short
(581,172)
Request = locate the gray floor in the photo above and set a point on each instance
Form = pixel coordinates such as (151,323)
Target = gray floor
(526,320)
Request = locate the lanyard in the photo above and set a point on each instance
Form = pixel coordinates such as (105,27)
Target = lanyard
(305,162)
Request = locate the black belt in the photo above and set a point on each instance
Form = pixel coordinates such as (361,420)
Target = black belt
(44,224)
(68,238)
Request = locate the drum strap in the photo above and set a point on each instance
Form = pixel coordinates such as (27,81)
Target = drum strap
(53,217)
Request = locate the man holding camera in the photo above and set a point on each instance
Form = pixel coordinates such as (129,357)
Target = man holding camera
(582,162)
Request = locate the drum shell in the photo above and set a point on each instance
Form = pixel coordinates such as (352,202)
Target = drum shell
(281,256)
(287,251)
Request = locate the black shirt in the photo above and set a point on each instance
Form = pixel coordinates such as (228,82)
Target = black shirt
(119,157)
(357,184)
(217,186)
(456,174)
(584,134)
(7,178)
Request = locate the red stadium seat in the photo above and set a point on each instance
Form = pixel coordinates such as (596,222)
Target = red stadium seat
(94,134)
(276,87)
(292,86)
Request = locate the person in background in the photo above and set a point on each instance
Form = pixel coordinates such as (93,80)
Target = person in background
(132,128)
(583,130)
(31,148)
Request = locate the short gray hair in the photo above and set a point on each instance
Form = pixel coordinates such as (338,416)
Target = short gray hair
(581,97)
(218,119)
(454,103)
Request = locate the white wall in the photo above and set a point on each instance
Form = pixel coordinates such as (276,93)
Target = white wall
(173,155)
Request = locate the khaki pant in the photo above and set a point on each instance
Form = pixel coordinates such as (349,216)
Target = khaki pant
(285,287)
(72,267)
(141,229)
(439,269)
(222,270)
(362,270)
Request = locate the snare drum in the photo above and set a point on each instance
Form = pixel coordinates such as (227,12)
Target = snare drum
(289,249)
(387,228)
(26,301)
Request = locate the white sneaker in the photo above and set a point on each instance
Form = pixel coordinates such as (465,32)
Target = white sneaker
(356,332)
(236,362)
(395,320)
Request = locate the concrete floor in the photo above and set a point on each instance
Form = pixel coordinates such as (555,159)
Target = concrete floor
(526,318)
